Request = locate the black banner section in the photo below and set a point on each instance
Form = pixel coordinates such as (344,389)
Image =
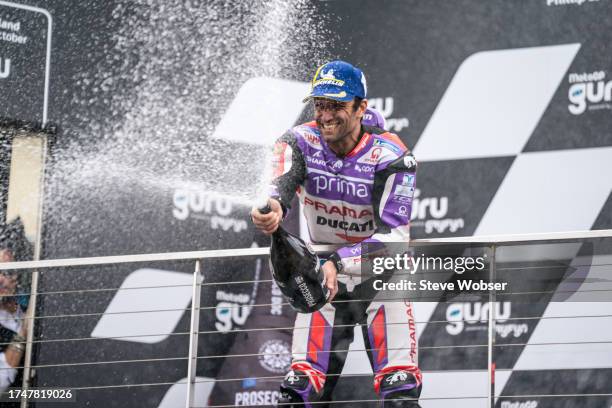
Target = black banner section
(24,56)
(506,107)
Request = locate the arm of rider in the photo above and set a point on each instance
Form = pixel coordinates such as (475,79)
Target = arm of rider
(268,223)
(330,279)
(16,347)
(11,359)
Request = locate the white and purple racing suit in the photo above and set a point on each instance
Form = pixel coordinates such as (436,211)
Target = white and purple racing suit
(363,197)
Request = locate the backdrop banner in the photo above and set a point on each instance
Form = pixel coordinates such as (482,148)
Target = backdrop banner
(506,106)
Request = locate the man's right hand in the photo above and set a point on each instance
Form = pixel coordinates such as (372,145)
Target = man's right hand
(268,223)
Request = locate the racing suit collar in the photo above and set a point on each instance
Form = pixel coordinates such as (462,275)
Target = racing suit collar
(362,146)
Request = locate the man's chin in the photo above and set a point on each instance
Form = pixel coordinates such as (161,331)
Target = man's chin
(329,137)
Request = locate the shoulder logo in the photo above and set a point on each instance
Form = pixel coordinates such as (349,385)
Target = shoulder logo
(406,186)
(408,180)
(388,145)
(312,138)
(364,168)
(375,155)
(410,161)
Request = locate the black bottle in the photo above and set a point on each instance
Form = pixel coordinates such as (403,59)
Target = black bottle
(296,268)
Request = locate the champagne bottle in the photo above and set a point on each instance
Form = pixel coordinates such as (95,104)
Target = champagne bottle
(296,268)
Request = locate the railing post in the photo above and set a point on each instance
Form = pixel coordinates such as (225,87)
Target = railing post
(29,322)
(193,333)
(28,372)
(491,333)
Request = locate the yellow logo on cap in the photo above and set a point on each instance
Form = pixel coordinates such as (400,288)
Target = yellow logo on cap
(336,95)
(325,78)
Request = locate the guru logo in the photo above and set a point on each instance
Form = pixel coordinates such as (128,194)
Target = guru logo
(5,67)
(473,313)
(386,106)
(206,206)
(231,310)
(589,91)
(471,316)
(431,213)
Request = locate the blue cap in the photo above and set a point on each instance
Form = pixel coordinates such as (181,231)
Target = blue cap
(338,80)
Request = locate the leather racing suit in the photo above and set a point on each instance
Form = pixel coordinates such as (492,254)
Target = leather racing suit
(364,197)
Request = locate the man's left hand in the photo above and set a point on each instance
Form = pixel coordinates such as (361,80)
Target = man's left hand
(330,279)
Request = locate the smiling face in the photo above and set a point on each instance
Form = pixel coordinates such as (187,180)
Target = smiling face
(338,120)
(8,284)
(6,256)
(8,281)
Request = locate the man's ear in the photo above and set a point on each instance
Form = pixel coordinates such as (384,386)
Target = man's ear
(362,107)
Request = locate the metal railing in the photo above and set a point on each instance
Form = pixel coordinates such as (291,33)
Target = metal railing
(198,281)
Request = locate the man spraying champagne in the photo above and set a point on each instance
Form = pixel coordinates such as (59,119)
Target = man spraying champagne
(355,183)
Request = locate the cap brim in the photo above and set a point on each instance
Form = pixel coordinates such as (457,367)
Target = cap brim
(340,97)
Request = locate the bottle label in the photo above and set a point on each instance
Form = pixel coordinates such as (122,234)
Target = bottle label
(305,291)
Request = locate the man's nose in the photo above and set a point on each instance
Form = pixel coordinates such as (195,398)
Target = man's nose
(324,115)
